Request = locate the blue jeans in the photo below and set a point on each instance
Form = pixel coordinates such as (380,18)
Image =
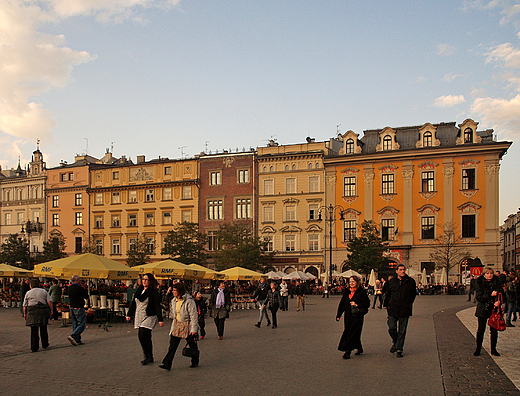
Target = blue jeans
(263,310)
(397,330)
(79,320)
(511,309)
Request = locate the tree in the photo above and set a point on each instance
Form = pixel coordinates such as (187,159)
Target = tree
(185,244)
(54,248)
(89,246)
(447,251)
(140,251)
(15,250)
(239,247)
(366,252)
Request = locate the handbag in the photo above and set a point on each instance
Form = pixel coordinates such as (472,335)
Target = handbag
(496,320)
(187,351)
(180,329)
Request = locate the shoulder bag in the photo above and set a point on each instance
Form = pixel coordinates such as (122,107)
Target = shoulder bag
(496,320)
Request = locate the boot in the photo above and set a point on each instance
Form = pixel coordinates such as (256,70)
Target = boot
(494,340)
(480,339)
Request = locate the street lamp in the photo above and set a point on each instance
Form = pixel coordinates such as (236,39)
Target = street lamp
(30,228)
(330,216)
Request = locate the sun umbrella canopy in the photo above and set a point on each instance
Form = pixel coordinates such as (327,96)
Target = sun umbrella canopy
(8,271)
(170,269)
(349,273)
(413,273)
(86,265)
(424,279)
(208,273)
(372,278)
(239,273)
(444,277)
(297,275)
(273,275)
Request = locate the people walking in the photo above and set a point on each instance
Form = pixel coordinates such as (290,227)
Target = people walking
(400,293)
(299,291)
(284,293)
(147,312)
(378,294)
(511,298)
(354,304)
(202,308)
(183,310)
(273,300)
(472,287)
(24,288)
(37,305)
(260,295)
(325,290)
(77,296)
(55,293)
(488,291)
(220,305)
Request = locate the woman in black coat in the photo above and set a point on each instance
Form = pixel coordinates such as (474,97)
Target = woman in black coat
(488,289)
(354,304)
(220,305)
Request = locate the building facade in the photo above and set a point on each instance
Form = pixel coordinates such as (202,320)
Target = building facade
(510,242)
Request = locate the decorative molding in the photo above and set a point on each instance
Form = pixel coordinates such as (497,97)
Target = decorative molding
(468,193)
(141,174)
(388,168)
(388,212)
(428,128)
(492,169)
(428,165)
(428,195)
(448,172)
(346,137)
(290,200)
(268,230)
(387,132)
(428,210)
(408,175)
(290,228)
(368,178)
(351,214)
(330,180)
(350,171)
(387,197)
(468,240)
(228,161)
(350,200)
(469,163)
(314,228)
(469,207)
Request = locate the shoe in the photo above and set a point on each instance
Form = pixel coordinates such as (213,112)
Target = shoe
(392,350)
(165,367)
(193,365)
(219,337)
(346,355)
(72,341)
(297,309)
(268,324)
(359,352)
(146,361)
(201,337)
(274,327)
(495,353)
(477,352)
(399,354)
(79,342)
(510,325)
(46,346)
(258,325)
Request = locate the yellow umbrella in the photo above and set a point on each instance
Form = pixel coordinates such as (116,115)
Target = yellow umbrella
(209,273)
(170,269)
(239,273)
(10,271)
(86,265)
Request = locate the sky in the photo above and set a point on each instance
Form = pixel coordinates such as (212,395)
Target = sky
(174,78)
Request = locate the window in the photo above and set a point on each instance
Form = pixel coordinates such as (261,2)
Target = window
(115,198)
(290,212)
(269,187)
(310,165)
(314,212)
(215,209)
(99,199)
(115,221)
(71,176)
(149,195)
(468,135)
(468,179)
(167,170)
(167,218)
(243,209)
(7,219)
(132,196)
(79,244)
(314,184)
(349,186)
(268,213)
(186,215)
(148,219)
(99,246)
(387,229)
(468,226)
(186,192)
(19,194)
(271,169)
(115,175)
(132,220)
(388,183)
(115,246)
(55,201)
(287,168)
(78,200)
(349,230)
(387,143)
(19,218)
(150,245)
(36,215)
(64,177)
(78,218)
(314,242)
(290,243)
(7,195)
(55,219)
(167,193)
(212,241)
(349,146)
(214,178)
(270,244)
(131,243)
(290,185)
(98,222)
(427,139)
(243,176)
(428,228)
(427,181)
(294,167)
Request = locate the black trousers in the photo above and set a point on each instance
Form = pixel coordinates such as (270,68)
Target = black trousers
(219,323)
(35,339)
(482,324)
(202,326)
(274,309)
(145,338)
(174,344)
(54,311)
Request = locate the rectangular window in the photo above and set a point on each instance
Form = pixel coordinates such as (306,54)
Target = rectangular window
(314,212)
(64,177)
(55,201)
(268,213)
(186,192)
(270,244)
(150,245)
(79,244)
(149,219)
(314,184)
(132,196)
(269,187)
(71,176)
(290,185)
(131,243)
(349,186)
(468,179)
(132,220)
(78,218)
(387,229)
(243,176)
(20,217)
(115,246)
(149,195)
(167,194)
(349,230)
(78,199)
(98,222)
(167,170)
(212,241)
(388,183)
(214,178)
(99,199)
(468,226)
(427,181)
(99,246)
(215,209)
(243,209)
(115,175)
(115,221)
(167,218)
(290,212)
(186,216)
(55,219)
(428,228)
(116,198)
(290,243)
(7,219)
(314,242)
(36,216)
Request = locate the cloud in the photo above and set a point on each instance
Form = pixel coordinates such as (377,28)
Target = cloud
(449,77)
(448,101)
(502,114)
(445,50)
(506,55)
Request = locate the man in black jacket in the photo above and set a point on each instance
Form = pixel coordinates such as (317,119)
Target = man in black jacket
(77,295)
(260,296)
(399,293)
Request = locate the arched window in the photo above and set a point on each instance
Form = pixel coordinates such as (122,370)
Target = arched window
(310,165)
(265,169)
(468,135)
(427,139)
(349,146)
(387,143)
(286,167)
(317,165)
(271,169)
(294,167)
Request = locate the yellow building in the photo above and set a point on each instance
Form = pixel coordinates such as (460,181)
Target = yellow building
(412,181)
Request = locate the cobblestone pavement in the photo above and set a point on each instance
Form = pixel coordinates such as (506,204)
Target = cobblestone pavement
(300,357)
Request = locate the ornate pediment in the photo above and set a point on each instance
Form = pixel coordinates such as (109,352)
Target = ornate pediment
(314,228)
(428,210)
(268,230)
(388,212)
(291,229)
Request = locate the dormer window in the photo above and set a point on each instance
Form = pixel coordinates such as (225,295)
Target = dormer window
(468,135)
(349,146)
(427,139)
(387,143)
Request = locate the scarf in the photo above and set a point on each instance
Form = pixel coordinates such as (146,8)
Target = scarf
(144,294)
(220,298)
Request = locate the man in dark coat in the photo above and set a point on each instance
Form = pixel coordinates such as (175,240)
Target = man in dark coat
(399,293)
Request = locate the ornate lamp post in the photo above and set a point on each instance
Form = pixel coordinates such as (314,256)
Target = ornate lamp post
(29,228)
(330,216)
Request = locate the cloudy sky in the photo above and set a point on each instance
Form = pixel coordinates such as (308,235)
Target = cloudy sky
(178,77)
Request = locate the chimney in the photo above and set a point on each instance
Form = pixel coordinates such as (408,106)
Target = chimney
(140,159)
